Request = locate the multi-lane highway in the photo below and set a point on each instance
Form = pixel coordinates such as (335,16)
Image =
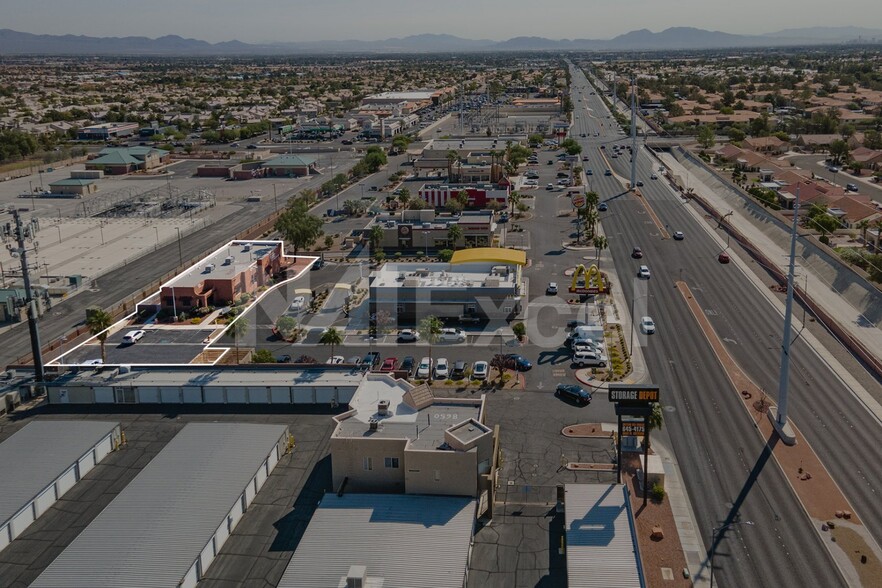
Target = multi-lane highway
(727,468)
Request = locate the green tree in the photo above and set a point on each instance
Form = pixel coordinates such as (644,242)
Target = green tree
(375,237)
(452,157)
(519,330)
(571,146)
(403,197)
(430,331)
(600,243)
(454,235)
(263,356)
(863,226)
(374,159)
(453,206)
(706,137)
(235,331)
(331,337)
(656,417)
(839,150)
(98,322)
(298,226)
(286,327)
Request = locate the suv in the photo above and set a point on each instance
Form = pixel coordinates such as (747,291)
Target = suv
(551,290)
(133,337)
(424,370)
(589,359)
(408,336)
(407,365)
(452,336)
(459,370)
(442,368)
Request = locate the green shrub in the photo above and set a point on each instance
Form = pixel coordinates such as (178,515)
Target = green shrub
(657,492)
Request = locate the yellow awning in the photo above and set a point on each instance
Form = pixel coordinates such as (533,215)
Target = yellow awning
(494,254)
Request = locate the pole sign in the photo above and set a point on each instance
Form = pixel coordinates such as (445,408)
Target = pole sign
(578,200)
(633,428)
(633,395)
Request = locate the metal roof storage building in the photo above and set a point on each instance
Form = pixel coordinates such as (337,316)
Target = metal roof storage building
(388,540)
(41,462)
(601,543)
(166,527)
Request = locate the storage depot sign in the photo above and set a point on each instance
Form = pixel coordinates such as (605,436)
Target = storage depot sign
(633,394)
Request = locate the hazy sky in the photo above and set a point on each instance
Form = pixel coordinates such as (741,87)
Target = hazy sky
(313,20)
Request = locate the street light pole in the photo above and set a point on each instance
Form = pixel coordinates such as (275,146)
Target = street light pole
(180,251)
(426,235)
(716,530)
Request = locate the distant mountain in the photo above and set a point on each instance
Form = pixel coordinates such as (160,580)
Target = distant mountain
(17,43)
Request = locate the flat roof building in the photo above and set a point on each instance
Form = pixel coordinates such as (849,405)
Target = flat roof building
(74,186)
(44,460)
(166,527)
(419,229)
(384,540)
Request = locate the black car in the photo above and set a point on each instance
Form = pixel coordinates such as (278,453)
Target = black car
(603,207)
(371,360)
(459,370)
(407,365)
(637,253)
(574,393)
(284,359)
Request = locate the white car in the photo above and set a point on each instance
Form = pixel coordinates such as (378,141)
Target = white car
(424,369)
(480,370)
(647,325)
(586,345)
(297,304)
(551,290)
(452,336)
(589,359)
(336,360)
(643,272)
(442,368)
(133,337)
(408,336)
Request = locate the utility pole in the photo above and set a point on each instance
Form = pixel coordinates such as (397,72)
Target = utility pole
(633,133)
(21,233)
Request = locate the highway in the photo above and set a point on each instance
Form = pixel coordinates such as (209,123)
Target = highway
(725,464)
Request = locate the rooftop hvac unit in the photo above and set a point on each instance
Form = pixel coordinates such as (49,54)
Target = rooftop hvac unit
(356,577)
(383,407)
(209,267)
(246,247)
(229,259)
(374,424)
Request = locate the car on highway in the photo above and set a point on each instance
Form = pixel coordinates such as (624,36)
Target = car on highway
(424,369)
(603,207)
(643,272)
(133,337)
(442,368)
(551,290)
(549,186)
(723,257)
(653,176)
(252,146)
(574,393)
(408,336)
(615,155)
(679,236)
(636,253)
(589,172)
(608,172)
(389,364)
(459,369)
(482,368)
(514,361)
(647,325)
(451,335)
(639,182)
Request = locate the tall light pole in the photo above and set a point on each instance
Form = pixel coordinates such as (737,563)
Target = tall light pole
(21,233)
(180,251)
(714,533)
(633,133)
(426,235)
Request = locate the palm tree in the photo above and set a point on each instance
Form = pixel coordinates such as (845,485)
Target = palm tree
(331,337)
(863,226)
(657,417)
(452,156)
(375,236)
(430,330)
(98,322)
(454,235)
(515,199)
(600,243)
(404,197)
(236,331)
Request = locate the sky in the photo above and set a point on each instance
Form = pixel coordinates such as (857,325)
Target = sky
(256,21)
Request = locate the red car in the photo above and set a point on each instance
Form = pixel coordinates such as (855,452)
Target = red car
(389,364)
(723,257)
(636,253)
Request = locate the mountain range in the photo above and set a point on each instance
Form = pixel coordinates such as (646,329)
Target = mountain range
(18,43)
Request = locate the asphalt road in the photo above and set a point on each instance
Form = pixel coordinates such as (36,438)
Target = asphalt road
(727,470)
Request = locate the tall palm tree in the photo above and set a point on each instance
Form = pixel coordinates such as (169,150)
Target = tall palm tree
(657,417)
(600,243)
(454,235)
(98,322)
(514,198)
(452,156)
(404,197)
(236,331)
(375,236)
(430,331)
(331,337)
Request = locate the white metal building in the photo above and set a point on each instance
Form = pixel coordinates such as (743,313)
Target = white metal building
(602,546)
(387,540)
(41,462)
(166,527)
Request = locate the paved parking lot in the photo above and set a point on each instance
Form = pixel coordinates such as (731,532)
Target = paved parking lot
(174,346)
(261,545)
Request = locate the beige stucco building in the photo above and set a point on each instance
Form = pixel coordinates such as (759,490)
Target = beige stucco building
(400,438)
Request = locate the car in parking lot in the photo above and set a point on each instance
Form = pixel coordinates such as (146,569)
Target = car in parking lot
(408,336)
(459,369)
(424,369)
(574,393)
(371,360)
(591,358)
(551,290)
(354,360)
(603,207)
(564,182)
(481,370)
(636,253)
(133,337)
(647,325)
(335,360)
(389,364)
(407,365)
(442,368)
(297,304)
(679,236)
(643,272)
(514,361)
(549,186)
(452,336)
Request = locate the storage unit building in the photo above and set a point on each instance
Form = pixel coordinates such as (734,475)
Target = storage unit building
(166,527)
(601,542)
(44,460)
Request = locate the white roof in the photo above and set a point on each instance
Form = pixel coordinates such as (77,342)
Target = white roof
(156,528)
(601,546)
(404,540)
(35,456)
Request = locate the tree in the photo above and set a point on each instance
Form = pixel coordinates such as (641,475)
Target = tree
(571,146)
(375,237)
(454,235)
(600,243)
(453,206)
(374,159)
(706,137)
(452,156)
(236,331)
(298,226)
(331,337)
(863,226)
(98,322)
(499,364)
(286,327)
(263,356)
(656,417)
(403,197)
(430,330)
(519,330)
(839,150)
(535,139)
(514,198)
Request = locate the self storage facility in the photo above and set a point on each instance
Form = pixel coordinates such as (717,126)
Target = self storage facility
(41,462)
(166,527)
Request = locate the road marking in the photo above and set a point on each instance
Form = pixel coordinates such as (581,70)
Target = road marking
(728,340)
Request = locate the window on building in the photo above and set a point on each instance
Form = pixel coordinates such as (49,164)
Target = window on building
(506,309)
(470,308)
(437,475)
(391,462)
(368,463)
(400,309)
